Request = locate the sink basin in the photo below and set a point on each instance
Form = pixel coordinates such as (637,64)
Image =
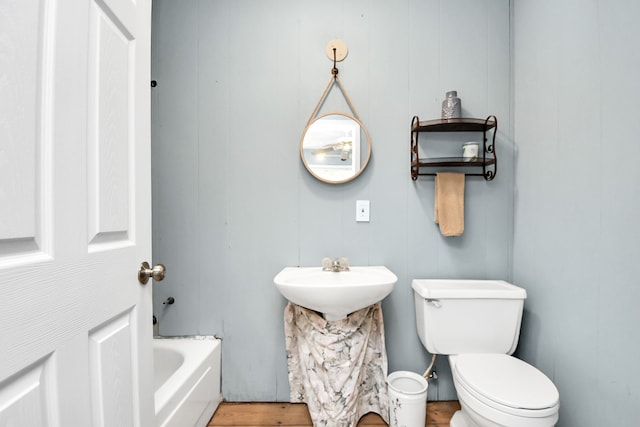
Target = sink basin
(335,294)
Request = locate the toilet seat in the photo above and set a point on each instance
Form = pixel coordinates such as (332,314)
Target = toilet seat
(506,384)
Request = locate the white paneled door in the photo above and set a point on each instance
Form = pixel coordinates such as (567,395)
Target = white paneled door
(75,323)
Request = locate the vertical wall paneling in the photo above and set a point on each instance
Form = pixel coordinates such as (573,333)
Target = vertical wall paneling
(175,168)
(576,201)
(233,204)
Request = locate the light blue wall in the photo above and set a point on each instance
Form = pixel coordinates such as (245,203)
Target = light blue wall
(233,204)
(577,201)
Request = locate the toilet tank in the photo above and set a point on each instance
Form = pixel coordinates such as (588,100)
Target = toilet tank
(468,316)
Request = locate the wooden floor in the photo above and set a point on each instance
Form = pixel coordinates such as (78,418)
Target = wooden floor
(297,415)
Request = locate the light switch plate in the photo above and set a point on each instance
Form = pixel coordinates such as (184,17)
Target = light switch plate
(362,210)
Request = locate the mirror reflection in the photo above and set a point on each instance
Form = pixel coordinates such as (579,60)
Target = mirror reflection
(335,148)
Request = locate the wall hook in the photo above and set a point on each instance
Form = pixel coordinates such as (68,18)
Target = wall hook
(337,51)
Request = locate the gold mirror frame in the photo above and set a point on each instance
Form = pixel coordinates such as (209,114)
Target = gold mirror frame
(335,147)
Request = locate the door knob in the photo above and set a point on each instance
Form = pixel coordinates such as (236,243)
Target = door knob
(145,272)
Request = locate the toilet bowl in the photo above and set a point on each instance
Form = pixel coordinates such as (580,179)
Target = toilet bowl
(477,324)
(500,390)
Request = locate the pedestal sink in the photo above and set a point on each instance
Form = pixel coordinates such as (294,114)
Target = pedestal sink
(335,294)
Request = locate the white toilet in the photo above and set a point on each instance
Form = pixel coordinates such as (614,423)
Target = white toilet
(477,323)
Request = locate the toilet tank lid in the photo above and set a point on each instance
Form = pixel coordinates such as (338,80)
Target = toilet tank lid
(464,289)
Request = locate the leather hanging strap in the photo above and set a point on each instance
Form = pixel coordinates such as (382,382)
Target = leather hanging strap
(332,81)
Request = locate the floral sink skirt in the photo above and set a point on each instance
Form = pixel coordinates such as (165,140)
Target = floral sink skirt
(338,368)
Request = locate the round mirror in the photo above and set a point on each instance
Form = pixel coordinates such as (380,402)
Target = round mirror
(335,148)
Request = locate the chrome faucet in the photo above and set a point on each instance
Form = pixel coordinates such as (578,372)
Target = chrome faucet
(335,264)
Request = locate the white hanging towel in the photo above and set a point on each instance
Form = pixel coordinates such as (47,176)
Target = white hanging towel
(338,368)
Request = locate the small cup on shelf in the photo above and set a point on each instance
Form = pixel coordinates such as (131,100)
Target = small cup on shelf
(470,151)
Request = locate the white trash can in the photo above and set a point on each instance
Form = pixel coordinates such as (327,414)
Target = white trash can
(407,399)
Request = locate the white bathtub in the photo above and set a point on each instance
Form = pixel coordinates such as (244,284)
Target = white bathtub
(187,381)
